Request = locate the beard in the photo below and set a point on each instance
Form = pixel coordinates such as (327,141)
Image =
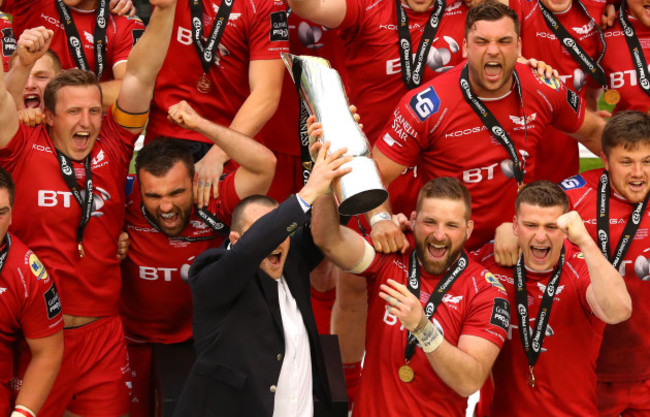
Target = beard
(438,267)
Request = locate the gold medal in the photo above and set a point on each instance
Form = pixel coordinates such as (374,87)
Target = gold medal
(203,85)
(80,247)
(520,186)
(531,377)
(406,373)
(612,96)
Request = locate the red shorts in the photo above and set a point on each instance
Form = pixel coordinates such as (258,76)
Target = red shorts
(288,177)
(140,360)
(94,380)
(627,399)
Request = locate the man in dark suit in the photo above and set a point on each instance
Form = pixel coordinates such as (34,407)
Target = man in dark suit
(256,342)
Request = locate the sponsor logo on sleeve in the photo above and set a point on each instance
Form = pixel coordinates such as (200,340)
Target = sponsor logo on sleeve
(425,103)
(552,82)
(500,313)
(573,100)
(37,268)
(573,182)
(136,34)
(493,281)
(279,27)
(52,302)
(8,42)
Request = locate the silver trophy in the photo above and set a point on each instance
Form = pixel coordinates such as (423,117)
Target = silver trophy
(322,90)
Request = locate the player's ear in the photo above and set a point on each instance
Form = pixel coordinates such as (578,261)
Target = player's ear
(515,226)
(234,237)
(469,229)
(465,47)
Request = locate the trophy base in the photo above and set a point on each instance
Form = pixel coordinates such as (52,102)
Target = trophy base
(362,202)
(361,190)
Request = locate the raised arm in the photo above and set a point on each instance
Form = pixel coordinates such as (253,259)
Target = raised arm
(256,161)
(341,245)
(607,294)
(590,132)
(145,60)
(210,275)
(329,13)
(32,44)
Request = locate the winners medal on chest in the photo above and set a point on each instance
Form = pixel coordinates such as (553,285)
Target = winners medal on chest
(405,372)
(206,51)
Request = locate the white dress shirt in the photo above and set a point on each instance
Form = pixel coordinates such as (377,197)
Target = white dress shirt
(294,393)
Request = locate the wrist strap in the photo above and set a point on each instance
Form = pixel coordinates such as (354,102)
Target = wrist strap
(430,338)
(377,217)
(22,411)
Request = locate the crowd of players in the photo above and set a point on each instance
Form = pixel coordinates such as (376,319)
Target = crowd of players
(468,111)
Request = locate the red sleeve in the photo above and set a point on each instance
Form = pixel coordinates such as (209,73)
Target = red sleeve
(111,132)
(488,315)
(567,107)
(352,15)
(223,206)
(405,136)
(579,266)
(269,31)
(127,32)
(10,155)
(42,315)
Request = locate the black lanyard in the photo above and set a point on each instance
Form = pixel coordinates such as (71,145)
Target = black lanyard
(75,43)
(436,296)
(206,52)
(602,223)
(208,218)
(492,123)
(412,70)
(532,343)
(636,51)
(573,47)
(85,202)
(5,252)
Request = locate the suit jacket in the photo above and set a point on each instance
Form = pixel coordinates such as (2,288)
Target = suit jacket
(238,331)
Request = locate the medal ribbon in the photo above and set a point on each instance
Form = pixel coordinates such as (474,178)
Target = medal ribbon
(602,223)
(5,251)
(532,344)
(208,218)
(436,296)
(206,52)
(492,123)
(634,46)
(412,70)
(74,41)
(571,45)
(86,203)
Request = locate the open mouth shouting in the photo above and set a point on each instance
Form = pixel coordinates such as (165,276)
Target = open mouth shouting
(32,100)
(540,253)
(275,257)
(493,71)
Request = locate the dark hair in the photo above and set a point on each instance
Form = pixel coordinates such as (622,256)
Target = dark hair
(238,212)
(53,56)
(449,188)
(68,78)
(490,10)
(6,182)
(542,193)
(628,129)
(159,156)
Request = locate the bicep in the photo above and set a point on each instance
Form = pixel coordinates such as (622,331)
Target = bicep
(265,76)
(50,346)
(482,350)
(388,168)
